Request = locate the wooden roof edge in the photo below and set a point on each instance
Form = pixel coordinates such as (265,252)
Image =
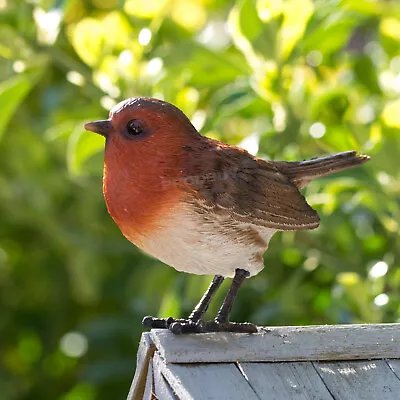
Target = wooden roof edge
(144,355)
(283,343)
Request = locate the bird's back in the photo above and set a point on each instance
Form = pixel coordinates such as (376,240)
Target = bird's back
(229,181)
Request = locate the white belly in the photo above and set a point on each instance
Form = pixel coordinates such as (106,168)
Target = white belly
(189,243)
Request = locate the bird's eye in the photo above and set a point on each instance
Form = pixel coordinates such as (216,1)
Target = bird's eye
(135,128)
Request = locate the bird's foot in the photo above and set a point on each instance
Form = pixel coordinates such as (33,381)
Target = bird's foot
(179,327)
(236,327)
(182,326)
(159,323)
(176,326)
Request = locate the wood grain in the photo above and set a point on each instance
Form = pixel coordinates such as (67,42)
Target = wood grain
(149,389)
(360,380)
(303,343)
(290,381)
(162,388)
(144,355)
(207,381)
(394,366)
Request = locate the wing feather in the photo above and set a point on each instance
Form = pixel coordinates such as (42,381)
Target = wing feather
(247,189)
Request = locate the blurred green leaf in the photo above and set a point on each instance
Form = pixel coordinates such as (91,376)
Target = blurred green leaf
(81,146)
(12,93)
(296,14)
(331,33)
(365,72)
(330,106)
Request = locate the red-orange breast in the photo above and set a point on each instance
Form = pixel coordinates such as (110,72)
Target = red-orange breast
(197,204)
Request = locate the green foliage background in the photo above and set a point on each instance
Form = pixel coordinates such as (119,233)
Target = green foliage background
(263,70)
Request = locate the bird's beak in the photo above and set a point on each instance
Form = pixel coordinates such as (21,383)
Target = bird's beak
(102,127)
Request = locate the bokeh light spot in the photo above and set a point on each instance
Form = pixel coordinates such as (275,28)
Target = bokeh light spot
(145,36)
(251,143)
(395,64)
(19,66)
(381,300)
(198,119)
(154,66)
(125,58)
(314,58)
(365,114)
(378,270)
(215,35)
(74,344)
(107,102)
(317,130)
(75,78)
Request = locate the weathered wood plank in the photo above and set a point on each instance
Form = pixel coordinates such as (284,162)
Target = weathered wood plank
(162,389)
(145,352)
(149,389)
(394,366)
(305,343)
(289,381)
(207,381)
(360,380)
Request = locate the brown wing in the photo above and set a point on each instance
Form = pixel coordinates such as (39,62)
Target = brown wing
(228,180)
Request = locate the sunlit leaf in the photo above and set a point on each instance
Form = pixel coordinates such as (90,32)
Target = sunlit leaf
(348,278)
(94,38)
(256,40)
(145,9)
(390,27)
(295,17)
(366,7)
(86,37)
(189,13)
(391,114)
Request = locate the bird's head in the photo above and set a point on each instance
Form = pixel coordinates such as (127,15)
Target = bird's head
(145,153)
(139,124)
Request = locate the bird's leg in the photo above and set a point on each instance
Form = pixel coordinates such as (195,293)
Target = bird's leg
(221,322)
(192,324)
(224,311)
(187,325)
(205,301)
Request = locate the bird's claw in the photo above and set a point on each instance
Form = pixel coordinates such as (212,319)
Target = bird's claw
(182,326)
(235,327)
(159,323)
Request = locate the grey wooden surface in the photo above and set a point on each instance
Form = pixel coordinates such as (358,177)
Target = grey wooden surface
(162,388)
(291,343)
(297,380)
(144,356)
(357,362)
(360,380)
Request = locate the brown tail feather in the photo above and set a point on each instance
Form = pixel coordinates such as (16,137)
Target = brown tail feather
(304,171)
